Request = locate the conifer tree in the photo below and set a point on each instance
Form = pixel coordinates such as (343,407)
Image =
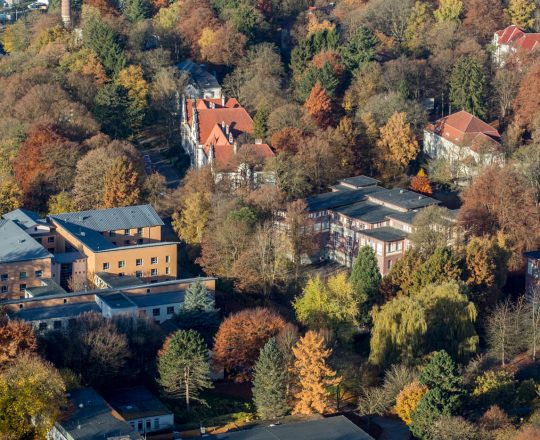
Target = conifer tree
(183,367)
(121,185)
(198,311)
(366,279)
(521,13)
(260,122)
(136,10)
(313,375)
(319,106)
(360,49)
(270,382)
(468,86)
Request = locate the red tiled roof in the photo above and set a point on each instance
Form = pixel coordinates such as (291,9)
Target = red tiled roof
(224,154)
(464,129)
(516,36)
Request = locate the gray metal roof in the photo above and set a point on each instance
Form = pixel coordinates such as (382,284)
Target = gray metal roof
(533,254)
(200,76)
(368,212)
(25,218)
(136,403)
(115,281)
(340,187)
(404,198)
(332,428)
(386,233)
(48,287)
(56,312)
(116,300)
(157,299)
(17,245)
(405,217)
(113,219)
(332,200)
(360,181)
(68,257)
(91,418)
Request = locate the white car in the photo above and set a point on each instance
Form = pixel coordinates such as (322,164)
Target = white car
(36,6)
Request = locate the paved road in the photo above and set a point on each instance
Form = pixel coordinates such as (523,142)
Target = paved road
(152,144)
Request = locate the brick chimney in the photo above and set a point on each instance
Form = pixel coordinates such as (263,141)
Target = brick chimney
(66,13)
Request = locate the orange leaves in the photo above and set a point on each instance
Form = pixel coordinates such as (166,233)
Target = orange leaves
(319,106)
(420,183)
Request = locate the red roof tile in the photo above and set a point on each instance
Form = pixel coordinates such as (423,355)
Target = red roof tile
(516,36)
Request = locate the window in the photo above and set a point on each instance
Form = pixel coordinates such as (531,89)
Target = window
(155,312)
(57,324)
(138,273)
(121,264)
(105,266)
(121,274)
(50,239)
(153,260)
(38,273)
(140,241)
(139,231)
(170,310)
(156,423)
(22,287)
(4,277)
(167,259)
(112,233)
(4,289)
(43,326)
(22,275)
(138,262)
(153,272)
(126,231)
(140,425)
(126,242)
(148,424)
(167,271)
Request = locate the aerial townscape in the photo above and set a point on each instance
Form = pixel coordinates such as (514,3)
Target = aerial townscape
(270,219)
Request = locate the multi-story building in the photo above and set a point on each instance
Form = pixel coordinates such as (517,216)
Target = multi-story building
(214,132)
(200,83)
(465,141)
(358,212)
(510,41)
(73,248)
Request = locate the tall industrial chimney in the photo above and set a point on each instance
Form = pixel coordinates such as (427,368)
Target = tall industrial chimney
(66,13)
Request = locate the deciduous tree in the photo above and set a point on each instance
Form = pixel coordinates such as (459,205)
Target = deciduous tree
(448,10)
(16,337)
(420,183)
(319,106)
(527,101)
(521,13)
(241,336)
(10,195)
(270,382)
(61,202)
(313,374)
(408,399)
(121,185)
(432,229)
(184,370)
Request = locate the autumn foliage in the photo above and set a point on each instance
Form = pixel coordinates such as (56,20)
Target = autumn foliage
(408,399)
(241,336)
(319,106)
(16,337)
(121,186)
(420,183)
(287,139)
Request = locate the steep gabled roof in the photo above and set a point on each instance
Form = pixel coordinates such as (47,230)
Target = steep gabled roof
(509,34)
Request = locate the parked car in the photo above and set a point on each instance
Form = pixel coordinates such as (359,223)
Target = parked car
(37,6)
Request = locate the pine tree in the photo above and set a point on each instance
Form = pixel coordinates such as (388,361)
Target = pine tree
(521,13)
(360,49)
(260,122)
(313,374)
(366,279)
(319,106)
(270,382)
(101,38)
(198,311)
(183,367)
(136,10)
(121,184)
(468,86)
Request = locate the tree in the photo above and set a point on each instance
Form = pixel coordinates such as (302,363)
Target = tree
(449,10)
(241,336)
(532,310)
(287,139)
(190,223)
(454,428)
(499,199)
(32,395)
(183,366)
(391,18)
(313,375)
(397,144)
(468,86)
(408,399)
(438,268)
(16,337)
(494,387)
(198,311)
(260,122)
(482,16)
(487,266)
(526,101)
(136,10)
(10,195)
(506,85)
(61,202)
(270,381)
(132,80)
(521,13)
(366,279)
(420,183)
(111,110)
(319,106)
(432,230)
(121,183)
(360,49)
(444,385)
(417,27)
(333,305)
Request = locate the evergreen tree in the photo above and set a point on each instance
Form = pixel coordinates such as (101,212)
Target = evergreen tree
(198,311)
(313,375)
(270,382)
(183,367)
(468,86)
(101,38)
(136,10)
(366,279)
(260,122)
(110,109)
(360,49)
(121,185)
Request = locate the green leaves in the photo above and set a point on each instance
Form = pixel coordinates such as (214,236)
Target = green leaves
(468,86)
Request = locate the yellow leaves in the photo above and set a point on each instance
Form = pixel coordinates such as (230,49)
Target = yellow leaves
(408,399)
(168,17)
(521,13)
(315,26)
(208,39)
(47,36)
(131,78)
(86,62)
(449,10)
(191,222)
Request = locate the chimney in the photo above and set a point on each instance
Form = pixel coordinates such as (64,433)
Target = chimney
(227,129)
(231,139)
(235,147)
(223,125)
(66,13)
(258,141)
(223,100)
(211,155)
(195,121)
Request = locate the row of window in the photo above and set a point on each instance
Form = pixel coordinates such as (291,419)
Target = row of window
(138,262)
(22,275)
(143,427)
(153,272)
(126,232)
